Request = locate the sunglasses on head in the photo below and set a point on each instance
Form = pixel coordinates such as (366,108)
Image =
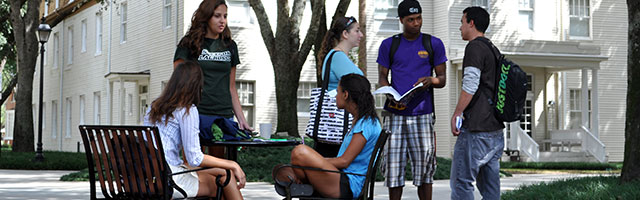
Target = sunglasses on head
(350,21)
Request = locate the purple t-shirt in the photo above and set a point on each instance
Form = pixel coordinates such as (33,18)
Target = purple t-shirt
(410,62)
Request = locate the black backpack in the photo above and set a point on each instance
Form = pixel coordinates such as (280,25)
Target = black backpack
(426,43)
(510,88)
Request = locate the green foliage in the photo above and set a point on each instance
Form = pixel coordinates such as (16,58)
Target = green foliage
(53,161)
(601,187)
(561,165)
(82,175)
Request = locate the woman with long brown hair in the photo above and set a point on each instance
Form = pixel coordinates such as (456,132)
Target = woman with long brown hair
(343,36)
(176,116)
(208,42)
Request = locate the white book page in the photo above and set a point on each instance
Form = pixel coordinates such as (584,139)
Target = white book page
(393,92)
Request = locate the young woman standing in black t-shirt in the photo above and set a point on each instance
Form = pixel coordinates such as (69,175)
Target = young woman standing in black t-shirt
(208,41)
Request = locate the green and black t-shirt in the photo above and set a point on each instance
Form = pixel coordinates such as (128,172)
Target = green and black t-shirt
(216,62)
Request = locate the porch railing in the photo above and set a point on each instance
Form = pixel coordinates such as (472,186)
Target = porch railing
(593,146)
(520,141)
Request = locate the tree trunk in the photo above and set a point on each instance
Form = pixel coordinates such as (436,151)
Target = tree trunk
(362,48)
(287,54)
(322,30)
(24,29)
(631,165)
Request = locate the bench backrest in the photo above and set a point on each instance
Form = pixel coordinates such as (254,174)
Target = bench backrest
(128,160)
(372,169)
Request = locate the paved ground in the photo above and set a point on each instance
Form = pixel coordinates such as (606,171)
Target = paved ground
(25,184)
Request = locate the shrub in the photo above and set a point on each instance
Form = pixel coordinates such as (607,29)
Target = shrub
(54,160)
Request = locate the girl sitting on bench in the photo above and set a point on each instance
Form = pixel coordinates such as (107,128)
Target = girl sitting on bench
(354,95)
(176,116)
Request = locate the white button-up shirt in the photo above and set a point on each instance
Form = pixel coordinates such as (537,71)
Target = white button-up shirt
(182,130)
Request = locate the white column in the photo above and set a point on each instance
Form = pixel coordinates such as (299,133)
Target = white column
(585,97)
(110,103)
(122,96)
(595,121)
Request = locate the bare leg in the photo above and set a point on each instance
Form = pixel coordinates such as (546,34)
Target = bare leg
(207,179)
(424,191)
(395,193)
(326,183)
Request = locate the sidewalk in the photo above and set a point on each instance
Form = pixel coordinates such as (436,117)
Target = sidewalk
(27,184)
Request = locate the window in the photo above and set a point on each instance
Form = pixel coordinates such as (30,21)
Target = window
(68,117)
(575,108)
(579,17)
(304,98)
(98,33)
(84,36)
(163,84)
(130,104)
(166,13)
(82,111)
(96,108)
(70,45)
(34,111)
(123,22)
(57,4)
(527,123)
(46,8)
(386,15)
(54,119)
(526,13)
(56,49)
(241,13)
(246,94)
(482,3)
(44,116)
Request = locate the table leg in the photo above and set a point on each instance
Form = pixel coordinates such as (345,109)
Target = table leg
(232,153)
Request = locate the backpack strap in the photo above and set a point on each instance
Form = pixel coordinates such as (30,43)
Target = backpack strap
(325,85)
(426,43)
(497,58)
(395,43)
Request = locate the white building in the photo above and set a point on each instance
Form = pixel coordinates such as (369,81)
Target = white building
(106,62)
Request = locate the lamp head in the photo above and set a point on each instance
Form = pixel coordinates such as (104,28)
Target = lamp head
(43,31)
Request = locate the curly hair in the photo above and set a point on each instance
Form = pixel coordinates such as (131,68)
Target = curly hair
(182,90)
(359,90)
(194,37)
(332,37)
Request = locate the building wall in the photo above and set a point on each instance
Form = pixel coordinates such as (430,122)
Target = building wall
(150,46)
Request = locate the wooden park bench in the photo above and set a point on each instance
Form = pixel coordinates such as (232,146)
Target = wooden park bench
(130,164)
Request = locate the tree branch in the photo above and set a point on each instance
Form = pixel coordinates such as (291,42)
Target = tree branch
(311,33)
(7,91)
(265,26)
(296,15)
(341,9)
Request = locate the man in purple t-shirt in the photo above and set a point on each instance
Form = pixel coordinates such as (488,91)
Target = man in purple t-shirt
(411,125)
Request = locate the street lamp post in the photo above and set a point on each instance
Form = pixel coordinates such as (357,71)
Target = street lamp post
(43,33)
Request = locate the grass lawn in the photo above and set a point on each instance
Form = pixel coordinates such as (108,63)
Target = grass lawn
(600,187)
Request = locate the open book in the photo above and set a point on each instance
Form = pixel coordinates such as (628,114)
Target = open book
(404,98)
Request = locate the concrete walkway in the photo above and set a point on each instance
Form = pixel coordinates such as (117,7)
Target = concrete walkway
(26,184)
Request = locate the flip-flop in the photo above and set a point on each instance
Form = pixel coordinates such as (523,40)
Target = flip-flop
(295,188)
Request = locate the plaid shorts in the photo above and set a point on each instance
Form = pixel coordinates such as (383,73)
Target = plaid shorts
(411,137)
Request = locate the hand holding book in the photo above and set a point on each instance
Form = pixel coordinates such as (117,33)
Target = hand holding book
(393,95)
